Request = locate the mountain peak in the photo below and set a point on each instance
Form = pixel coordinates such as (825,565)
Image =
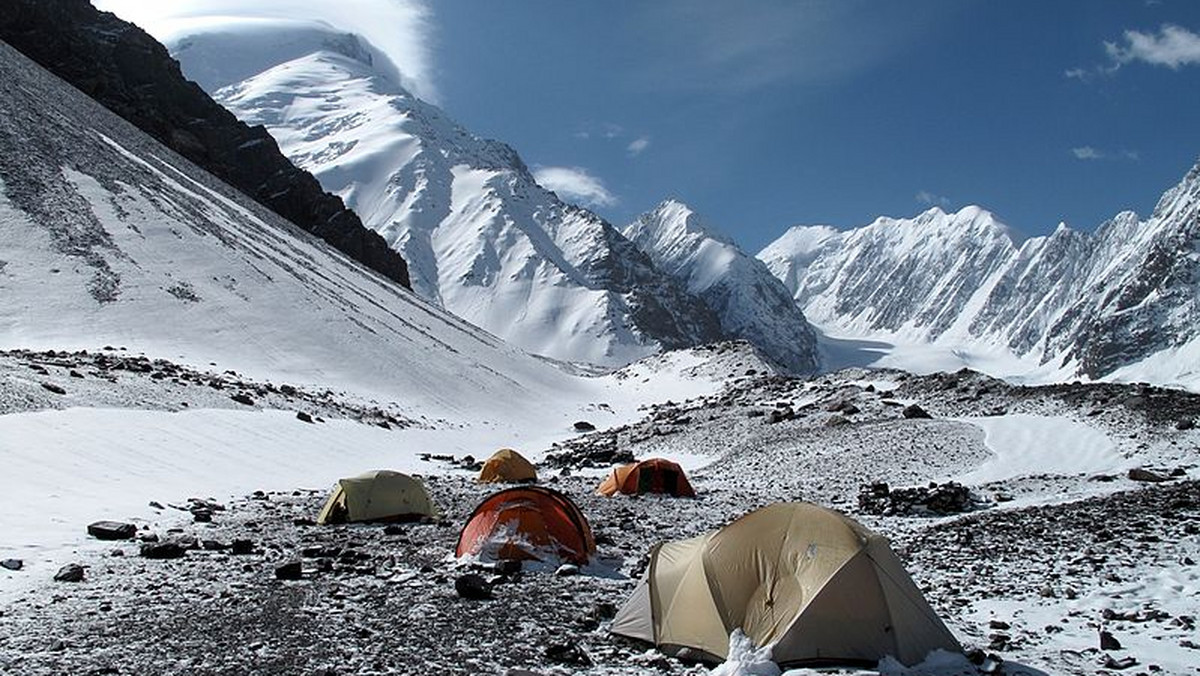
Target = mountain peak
(673,220)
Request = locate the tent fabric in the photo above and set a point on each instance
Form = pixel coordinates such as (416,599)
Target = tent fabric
(655,475)
(507,466)
(380,495)
(529,523)
(813,582)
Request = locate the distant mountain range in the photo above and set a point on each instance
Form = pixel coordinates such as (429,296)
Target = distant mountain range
(1121,301)
(463,221)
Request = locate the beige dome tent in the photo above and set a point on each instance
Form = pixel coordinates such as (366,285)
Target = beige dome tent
(815,583)
(381,495)
(507,466)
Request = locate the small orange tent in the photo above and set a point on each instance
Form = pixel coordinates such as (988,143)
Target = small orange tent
(507,466)
(528,523)
(655,475)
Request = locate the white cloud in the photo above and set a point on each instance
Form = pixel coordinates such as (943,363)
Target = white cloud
(1092,153)
(639,144)
(1173,46)
(575,184)
(926,197)
(401,29)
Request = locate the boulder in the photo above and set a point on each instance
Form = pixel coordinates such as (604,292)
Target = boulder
(12,564)
(912,411)
(112,530)
(569,653)
(162,550)
(584,426)
(472,586)
(292,570)
(72,572)
(1145,475)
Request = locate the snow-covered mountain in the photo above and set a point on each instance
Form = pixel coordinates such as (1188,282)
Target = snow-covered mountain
(109,238)
(750,303)
(481,237)
(1120,302)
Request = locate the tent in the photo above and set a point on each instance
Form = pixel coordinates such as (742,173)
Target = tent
(528,523)
(818,585)
(655,475)
(381,495)
(507,466)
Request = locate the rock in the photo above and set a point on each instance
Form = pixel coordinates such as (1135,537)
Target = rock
(202,515)
(162,550)
(1185,424)
(112,530)
(570,654)
(584,426)
(472,586)
(12,564)
(1108,641)
(1145,475)
(72,572)
(567,570)
(292,570)
(999,624)
(242,398)
(213,546)
(508,566)
(1124,663)
(53,388)
(913,411)
(304,417)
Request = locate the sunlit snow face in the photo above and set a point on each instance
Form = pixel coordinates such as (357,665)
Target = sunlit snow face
(399,28)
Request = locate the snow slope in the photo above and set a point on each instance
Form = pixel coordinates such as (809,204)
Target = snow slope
(750,303)
(481,237)
(109,239)
(1119,303)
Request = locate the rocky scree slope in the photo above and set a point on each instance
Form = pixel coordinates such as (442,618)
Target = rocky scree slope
(127,71)
(750,303)
(1090,304)
(481,237)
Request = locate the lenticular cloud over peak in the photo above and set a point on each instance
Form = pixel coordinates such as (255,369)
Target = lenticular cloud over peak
(400,29)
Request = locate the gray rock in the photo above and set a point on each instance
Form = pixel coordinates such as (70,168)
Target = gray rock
(472,586)
(112,530)
(12,564)
(162,550)
(292,570)
(912,411)
(72,572)
(1145,475)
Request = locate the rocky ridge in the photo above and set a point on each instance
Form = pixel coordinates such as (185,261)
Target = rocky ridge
(127,71)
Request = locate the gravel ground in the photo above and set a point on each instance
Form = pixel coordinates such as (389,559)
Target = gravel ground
(376,600)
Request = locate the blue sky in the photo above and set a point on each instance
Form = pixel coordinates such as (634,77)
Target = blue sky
(764,114)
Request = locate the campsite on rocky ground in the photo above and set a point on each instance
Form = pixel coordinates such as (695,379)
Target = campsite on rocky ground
(443,420)
(1052,529)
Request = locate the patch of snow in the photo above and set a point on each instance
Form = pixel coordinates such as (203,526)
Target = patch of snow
(745,659)
(1031,445)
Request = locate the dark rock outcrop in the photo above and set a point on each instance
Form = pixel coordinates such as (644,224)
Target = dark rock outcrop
(127,71)
(112,530)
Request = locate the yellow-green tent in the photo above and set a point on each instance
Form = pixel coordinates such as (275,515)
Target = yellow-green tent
(380,495)
(507,466)
(814,583)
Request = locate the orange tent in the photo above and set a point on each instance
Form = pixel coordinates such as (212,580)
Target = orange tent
(528,523)
(655,475)
(507,466)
